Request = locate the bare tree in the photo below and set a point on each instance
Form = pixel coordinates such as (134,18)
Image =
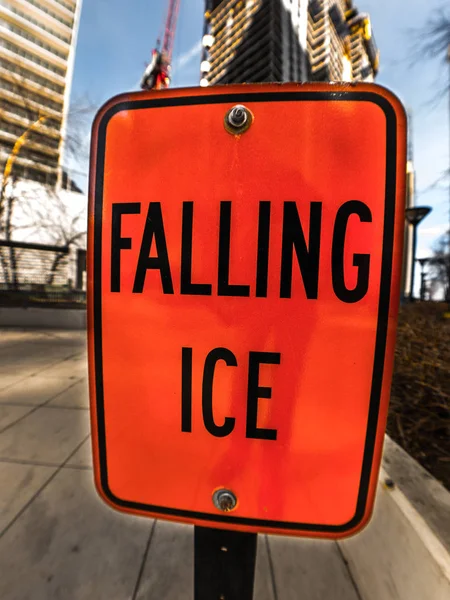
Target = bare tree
(434,36)
(79,121)
(53,218)
(431,42)
(38,211)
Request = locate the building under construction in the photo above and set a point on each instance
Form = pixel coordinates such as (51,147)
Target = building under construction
(249,41)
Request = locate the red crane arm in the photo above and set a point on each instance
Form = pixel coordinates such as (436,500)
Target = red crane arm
(169,32)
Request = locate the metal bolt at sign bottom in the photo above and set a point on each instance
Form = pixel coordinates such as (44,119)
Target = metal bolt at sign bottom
(238,119)
(224,500)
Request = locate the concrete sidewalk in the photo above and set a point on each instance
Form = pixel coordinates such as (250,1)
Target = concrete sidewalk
(57,538)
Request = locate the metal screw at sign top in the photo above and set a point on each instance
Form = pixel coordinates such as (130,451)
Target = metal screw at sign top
(224,500)
(238,119)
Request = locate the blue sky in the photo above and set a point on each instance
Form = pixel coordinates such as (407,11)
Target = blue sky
(116,37)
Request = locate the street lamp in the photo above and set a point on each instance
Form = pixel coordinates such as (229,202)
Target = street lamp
(414,216)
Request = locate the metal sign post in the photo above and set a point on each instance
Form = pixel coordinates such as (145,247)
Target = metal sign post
(224,564)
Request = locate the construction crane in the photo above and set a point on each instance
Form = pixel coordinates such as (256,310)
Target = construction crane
(157,73)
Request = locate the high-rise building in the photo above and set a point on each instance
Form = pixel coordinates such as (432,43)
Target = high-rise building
(286,40)
(37,47)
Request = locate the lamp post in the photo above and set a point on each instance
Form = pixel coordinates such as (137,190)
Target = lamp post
(414,216)
(423,288)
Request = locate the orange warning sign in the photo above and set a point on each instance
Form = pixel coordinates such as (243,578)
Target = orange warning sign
(244,273)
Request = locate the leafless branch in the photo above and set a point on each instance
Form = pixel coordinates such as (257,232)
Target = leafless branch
(431,41)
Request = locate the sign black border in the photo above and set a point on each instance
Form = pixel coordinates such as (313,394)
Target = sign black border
(383,305)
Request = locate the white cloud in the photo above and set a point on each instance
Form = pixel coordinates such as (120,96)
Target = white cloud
(185,58)
(434,231)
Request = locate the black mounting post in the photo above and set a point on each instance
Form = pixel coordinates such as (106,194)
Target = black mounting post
(224,564)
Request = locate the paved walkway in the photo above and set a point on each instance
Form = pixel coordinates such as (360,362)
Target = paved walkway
(59,541)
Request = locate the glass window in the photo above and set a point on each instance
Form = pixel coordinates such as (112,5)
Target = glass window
(51,13)
(32,57)
(64,38)
(31,38)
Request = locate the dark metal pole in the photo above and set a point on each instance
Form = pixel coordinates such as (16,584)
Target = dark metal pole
(413,263)
(224,564)
(422,285)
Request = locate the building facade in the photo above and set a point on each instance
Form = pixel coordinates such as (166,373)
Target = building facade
(37,47)
(249,41)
